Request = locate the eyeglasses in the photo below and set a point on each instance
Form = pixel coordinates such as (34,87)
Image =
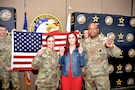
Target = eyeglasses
(92,28)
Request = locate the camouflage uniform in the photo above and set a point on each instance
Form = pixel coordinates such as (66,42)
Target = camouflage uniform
(97,74)
(48,75)
(5,60)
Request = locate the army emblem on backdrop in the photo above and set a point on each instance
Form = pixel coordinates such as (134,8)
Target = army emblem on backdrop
(130,37)
(95,19)
(130,81)
(121,37)
(111,35)
(131,52)
(5,15)
(128,68)
(121,21)
(46,23)
(108,20)
(72,18)
(119,68)
(119,81)
(111,68)
(81,19)
(132,22)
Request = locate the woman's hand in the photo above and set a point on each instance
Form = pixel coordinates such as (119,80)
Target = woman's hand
(80,49)
(61,51)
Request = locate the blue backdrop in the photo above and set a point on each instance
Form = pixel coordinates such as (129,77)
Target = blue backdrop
(122,30)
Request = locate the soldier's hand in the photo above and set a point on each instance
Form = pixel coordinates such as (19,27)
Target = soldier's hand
(83,74)
(40,52)
(57,84)
(8,68)
(80,49)
(109,43)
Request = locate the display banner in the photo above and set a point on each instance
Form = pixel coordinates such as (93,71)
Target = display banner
(122,31)
(8,17)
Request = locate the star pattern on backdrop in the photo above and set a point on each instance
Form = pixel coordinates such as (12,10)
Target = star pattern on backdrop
(95,18)
(119,67)
(121,36)
(121,20)
(119,82)
(101,34)
(121,52)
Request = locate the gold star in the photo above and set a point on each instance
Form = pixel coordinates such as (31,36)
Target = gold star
(119,82)
(95,18)
(121,52)
(119,67)
(8,33)
(101,34)
(80,35)
(121,36)
(121,20)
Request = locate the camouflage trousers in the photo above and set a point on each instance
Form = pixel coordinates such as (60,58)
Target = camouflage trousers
(5,78)
(46,88)
(100,82)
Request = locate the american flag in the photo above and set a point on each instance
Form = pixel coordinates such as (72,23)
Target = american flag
(26,44)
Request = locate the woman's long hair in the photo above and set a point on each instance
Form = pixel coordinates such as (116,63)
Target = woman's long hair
(67,43)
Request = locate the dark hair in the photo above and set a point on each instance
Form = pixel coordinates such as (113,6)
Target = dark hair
(84,30)
(67,43)
(48,36)
(2,26)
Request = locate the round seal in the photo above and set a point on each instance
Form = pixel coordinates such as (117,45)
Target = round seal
(81,19)
(111,35)
(46,23)
(128,68)
(130,81)
(131,52)
(132,22)
(72,18)
(5,15)
(111,68)
(108,20)
(130,37)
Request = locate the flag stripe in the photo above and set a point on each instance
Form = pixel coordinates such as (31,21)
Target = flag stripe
(23,57)
(22,63)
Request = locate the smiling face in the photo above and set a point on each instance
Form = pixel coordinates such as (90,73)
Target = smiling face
(93,30)
(86,34)
(71,39)
(50,42)
(2,32)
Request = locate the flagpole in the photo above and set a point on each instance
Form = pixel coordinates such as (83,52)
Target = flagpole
(68,27)
(26,86)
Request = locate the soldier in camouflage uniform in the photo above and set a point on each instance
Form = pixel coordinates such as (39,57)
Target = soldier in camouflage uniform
(97,51)
(5,62)
(85,35)
(46,61)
